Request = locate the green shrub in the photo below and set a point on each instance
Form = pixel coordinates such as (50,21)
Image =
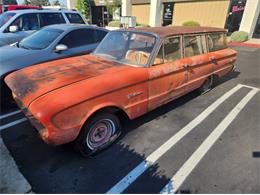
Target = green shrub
(191,23)
(142,25)
(239,36)
(114,23)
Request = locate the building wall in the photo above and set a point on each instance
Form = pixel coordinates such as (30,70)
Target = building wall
(71,4)
(142,13)
(207,13)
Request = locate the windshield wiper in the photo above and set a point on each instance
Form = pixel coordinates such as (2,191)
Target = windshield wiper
(24,47)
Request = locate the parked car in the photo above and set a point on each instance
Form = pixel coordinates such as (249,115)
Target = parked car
(50,43)
(5,8)
(15,25)
(130,73)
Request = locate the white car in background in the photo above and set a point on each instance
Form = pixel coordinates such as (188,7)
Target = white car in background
(15,25)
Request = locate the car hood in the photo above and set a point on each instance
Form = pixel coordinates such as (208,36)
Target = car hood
(13,58)
(12,53)
(30,83)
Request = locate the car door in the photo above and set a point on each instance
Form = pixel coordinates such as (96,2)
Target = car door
(80,41)
(26,23)
(167,75)
(199,66)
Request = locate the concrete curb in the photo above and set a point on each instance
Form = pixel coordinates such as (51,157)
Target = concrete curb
(12,181)
(244,44)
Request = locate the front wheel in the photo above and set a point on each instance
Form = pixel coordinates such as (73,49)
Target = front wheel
(98,133)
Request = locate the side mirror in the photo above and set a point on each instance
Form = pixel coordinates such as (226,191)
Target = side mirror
(60,48)
(13,29)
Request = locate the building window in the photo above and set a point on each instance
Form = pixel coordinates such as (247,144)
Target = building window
(235,15)
(257,28)
(168,9)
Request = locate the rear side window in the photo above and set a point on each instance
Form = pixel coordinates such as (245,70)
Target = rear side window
(100,35)
(193,45)
(217,41)
(79,38)
(172,49)
(75,18)
(51,18)
(169,51)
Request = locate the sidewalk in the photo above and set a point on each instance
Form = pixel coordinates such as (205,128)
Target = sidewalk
(12,181)
(250,43)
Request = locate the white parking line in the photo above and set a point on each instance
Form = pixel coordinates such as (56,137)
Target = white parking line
(9,114)
(152,158)
(2,127)
(195,158)
(251,87)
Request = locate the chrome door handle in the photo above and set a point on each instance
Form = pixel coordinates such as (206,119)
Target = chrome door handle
(212,58)
(186,66)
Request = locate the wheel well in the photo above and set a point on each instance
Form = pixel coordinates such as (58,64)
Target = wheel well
(121,114)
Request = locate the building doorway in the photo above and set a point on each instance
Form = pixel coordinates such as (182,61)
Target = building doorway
(235,15)
(168,9)
(100,16)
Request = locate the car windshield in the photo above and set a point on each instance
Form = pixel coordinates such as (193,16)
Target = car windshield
(127,47)
(40,39)
(5,17)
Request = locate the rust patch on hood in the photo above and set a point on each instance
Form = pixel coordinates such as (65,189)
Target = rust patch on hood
(32,82)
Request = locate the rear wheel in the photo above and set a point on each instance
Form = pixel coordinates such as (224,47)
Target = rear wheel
(207,85)
(98,133)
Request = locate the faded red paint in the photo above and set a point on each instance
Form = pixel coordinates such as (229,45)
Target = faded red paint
(61,95)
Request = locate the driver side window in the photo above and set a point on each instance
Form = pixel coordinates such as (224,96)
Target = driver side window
(26,22)
(78,38)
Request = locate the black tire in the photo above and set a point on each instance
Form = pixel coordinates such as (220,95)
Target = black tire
(6,98)
(99,132)
(207,85)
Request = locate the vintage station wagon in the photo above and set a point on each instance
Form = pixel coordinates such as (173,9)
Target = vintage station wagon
(131,72)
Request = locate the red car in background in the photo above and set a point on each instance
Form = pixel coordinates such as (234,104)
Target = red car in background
(4,8)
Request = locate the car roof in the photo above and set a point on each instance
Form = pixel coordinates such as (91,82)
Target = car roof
(176,30)
(66,27)
(42,11)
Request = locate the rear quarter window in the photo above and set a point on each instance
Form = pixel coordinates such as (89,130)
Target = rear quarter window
(51,18)
(75,18)
(217,41)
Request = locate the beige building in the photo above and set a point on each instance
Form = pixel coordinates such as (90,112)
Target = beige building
(231,14)
(206,12)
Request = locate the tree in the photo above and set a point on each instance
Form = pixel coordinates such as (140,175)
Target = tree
(26,2)
(10,2)
(112,6)
(84,7)
(56,2)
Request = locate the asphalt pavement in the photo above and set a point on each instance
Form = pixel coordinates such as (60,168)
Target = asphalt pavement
(195,144)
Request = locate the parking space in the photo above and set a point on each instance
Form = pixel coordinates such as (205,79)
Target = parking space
(196,144)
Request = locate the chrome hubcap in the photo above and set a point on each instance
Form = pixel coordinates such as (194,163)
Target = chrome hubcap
(100,134)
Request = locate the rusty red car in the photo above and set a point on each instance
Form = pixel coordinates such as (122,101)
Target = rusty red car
(133,71)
